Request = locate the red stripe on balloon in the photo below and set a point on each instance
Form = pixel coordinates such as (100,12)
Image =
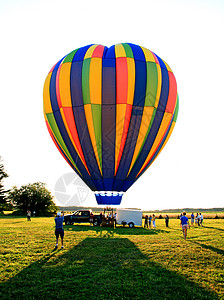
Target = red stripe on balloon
(98,51)
(156,60)
(172,97)
(121,80)
(124,134)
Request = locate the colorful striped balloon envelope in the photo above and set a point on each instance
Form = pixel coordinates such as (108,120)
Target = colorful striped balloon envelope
(110,111)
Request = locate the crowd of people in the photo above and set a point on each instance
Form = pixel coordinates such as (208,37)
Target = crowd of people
(150,221)
(184,221)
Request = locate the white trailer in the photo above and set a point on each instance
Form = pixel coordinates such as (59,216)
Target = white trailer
(131,217)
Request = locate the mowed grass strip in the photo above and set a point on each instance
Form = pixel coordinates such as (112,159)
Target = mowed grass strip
(106,263)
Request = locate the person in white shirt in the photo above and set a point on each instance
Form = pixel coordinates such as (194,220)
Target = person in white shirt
(201,219)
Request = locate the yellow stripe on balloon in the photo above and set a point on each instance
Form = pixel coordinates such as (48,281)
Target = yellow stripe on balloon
(146,119)
(89,52)
(162,130)
(120,51)
(46,95)
(89,120)
(64,85)
(148,55)
(131,80)
(95,80)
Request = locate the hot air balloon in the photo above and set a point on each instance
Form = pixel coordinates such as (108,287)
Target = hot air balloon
(110,111)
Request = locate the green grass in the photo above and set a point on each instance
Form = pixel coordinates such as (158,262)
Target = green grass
(103,263)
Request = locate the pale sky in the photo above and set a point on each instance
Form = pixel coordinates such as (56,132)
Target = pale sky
(188,35)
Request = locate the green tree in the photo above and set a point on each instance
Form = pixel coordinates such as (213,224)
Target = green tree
(33,197)
(3,198)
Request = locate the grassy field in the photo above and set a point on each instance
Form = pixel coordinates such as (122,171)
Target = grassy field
(105,263)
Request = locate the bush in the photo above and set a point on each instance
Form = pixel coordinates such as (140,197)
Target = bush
(33,197)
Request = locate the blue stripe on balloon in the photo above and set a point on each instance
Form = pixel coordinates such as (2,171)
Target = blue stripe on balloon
(80,54)
(130,144)
(76,83)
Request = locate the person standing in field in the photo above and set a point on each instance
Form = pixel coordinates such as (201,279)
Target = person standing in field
(192,219)
(196,219)
(201,219)
(28,215)
(146,225)
(167,221)
(150,220)
(91,218)
(59,231)
(185,224)
(154,221)
(115,220)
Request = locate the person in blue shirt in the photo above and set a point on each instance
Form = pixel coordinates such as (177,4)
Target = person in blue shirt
(192,219)
(185,224)
(59,228)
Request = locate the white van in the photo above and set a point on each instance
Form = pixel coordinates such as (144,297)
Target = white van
(131,217)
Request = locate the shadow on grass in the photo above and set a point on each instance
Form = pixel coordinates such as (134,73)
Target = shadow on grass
(112,268)
(119,230)
(209,227)
(214,249)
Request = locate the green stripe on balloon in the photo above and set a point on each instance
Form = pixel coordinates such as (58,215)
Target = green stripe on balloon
(152,84)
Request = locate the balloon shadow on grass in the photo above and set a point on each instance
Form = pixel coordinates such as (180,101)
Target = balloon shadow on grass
(209,227)
(208,247)
(98,268)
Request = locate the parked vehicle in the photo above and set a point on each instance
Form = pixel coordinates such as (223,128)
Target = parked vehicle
(81,216)
(130,217)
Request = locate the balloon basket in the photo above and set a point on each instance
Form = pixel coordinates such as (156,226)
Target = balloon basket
(108,198)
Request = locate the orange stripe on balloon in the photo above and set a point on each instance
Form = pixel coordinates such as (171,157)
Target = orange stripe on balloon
(121,80)
(65,84)
(131,80)
(95,80)
(126,123)
(172,97)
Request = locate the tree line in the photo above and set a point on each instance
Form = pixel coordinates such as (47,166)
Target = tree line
(32,196)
